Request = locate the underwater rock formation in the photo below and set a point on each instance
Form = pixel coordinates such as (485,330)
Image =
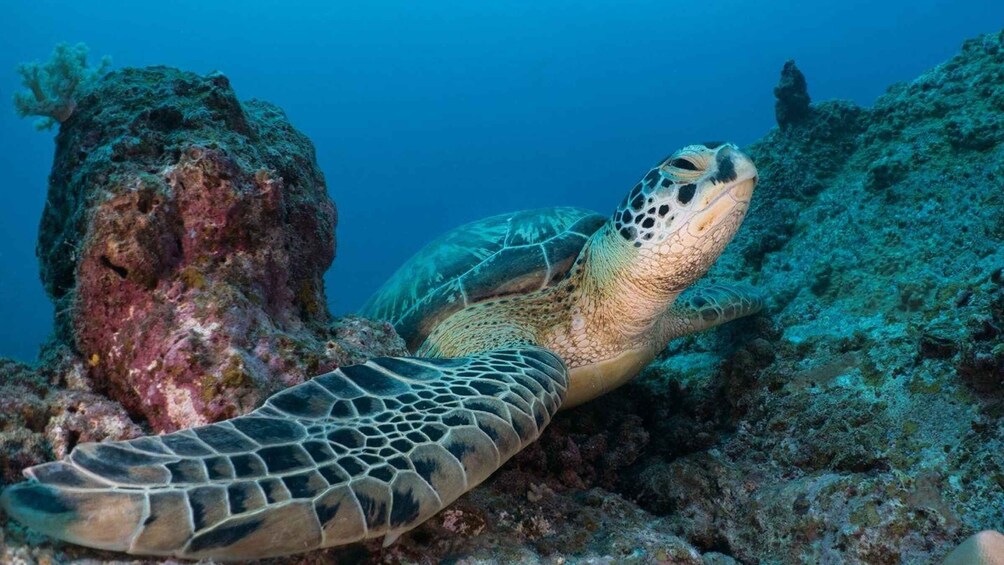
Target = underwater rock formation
(872,431)
(858,421)
(45,412)
(184,239)
(792,93)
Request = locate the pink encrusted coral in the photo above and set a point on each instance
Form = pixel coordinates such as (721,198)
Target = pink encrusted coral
(55,85)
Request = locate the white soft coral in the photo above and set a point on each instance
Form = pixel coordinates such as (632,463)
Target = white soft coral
(54,86)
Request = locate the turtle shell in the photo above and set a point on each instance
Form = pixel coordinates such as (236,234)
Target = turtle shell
(497,256)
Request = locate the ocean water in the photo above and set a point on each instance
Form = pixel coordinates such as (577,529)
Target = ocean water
(426,115)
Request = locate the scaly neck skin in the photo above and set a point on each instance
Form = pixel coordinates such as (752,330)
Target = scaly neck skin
(619,287)
(617,295)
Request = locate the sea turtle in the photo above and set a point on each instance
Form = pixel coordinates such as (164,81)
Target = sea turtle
(511,318)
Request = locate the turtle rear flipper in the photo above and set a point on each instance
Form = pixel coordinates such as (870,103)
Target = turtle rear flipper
(366,451)
(707,306)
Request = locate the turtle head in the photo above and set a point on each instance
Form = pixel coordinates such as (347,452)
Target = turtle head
(683,213)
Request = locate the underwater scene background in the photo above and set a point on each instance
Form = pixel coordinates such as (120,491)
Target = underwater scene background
(857,419)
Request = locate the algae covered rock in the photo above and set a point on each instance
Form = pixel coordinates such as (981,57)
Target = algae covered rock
(792,93)
(874,432)
(46,411)
(184,240)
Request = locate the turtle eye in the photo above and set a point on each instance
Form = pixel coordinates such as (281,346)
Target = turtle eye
(688,164)
(681,163)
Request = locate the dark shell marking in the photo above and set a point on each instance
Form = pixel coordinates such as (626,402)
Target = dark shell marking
(313,467)
(497,256)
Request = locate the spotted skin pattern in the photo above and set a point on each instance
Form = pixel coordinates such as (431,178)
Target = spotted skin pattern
(645,215)
(366,451)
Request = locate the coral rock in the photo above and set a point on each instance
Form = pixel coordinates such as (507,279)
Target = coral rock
(184,241)
(44,412)
(792,93)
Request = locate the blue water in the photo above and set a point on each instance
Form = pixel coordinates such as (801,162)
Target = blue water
(429,114)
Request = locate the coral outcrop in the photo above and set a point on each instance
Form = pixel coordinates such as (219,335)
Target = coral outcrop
(184,240)
(792,93)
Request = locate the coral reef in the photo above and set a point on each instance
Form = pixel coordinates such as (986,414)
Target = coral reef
(184,240)
(44,412)
(55,86)
(860,420)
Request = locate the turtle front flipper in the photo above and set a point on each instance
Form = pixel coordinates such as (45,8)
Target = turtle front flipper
(365,451)
(707,306)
